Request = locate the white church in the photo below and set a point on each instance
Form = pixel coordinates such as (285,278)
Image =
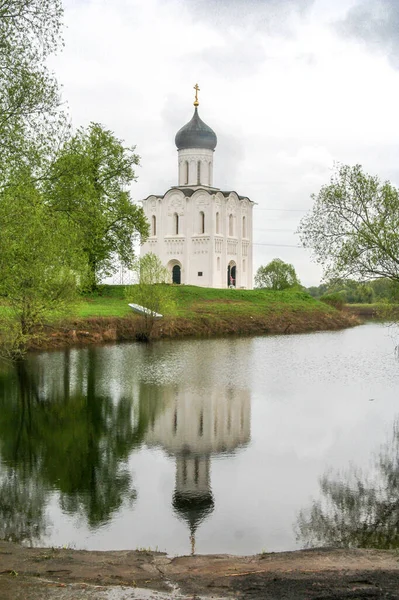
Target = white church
(201,233)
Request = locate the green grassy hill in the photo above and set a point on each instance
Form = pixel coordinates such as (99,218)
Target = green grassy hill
(191,301)
(106,317)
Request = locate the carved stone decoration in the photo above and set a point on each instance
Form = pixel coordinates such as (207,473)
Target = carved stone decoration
(153,204)
(200,245)
(202,200)
(175,246)
(244,205)
(218,200)
(176,205)
(231,205)
(232,247)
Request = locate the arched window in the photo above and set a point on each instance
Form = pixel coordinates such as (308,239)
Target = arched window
(231,225)
(176,224)
(243,266)
(202,222)
(198,172)
(187,172)
(217,223)
(210,173)
(153,225)
(218,263)
(244,228)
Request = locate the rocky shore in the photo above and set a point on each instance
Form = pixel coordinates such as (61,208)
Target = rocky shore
(321,574)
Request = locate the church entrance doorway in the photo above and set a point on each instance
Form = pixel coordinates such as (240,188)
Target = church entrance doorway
(176,274)
(231,275)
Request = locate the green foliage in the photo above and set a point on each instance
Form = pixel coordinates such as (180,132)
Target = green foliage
(89,185)
(277,275)
(385,290)
(151,291)
(317,291)
(336,299)
(40,265)
(353,228)
(150,270)
(355,292)
(29,98)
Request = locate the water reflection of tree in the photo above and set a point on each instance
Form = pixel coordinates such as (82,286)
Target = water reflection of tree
(357,510)
(22,501)
(78,444)
(22,508)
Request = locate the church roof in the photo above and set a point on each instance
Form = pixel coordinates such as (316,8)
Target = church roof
(196,134)
(189,191)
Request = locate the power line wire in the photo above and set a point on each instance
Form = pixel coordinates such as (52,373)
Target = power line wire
(283,209)
(278,245)
(279,230)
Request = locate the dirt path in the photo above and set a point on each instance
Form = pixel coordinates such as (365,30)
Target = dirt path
(62,574)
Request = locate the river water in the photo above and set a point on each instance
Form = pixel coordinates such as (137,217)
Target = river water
(228,445)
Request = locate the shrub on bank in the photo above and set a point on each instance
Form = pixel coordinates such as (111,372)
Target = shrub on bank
(337,300)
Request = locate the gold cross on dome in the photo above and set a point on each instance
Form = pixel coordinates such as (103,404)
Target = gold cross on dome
(196,103)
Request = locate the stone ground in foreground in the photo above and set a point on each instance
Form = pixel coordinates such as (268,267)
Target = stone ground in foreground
(62,574)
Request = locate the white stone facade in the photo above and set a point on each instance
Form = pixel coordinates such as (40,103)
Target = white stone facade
(202,234)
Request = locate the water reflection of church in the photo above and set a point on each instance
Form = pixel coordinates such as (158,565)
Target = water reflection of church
(194,427)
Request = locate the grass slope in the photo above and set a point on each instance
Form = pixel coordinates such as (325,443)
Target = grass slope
(192,301)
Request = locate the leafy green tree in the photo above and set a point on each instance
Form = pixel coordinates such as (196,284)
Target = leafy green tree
(385,289)
(353,228)
(89,185)
(40,265)
(277,275)
(352,291)
(151,292)
(365,294)
(29,97)
(317,291)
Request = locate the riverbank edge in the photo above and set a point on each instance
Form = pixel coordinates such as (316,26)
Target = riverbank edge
(104,330)
(302,574)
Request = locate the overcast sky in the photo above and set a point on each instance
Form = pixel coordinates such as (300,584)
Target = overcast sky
(289,87)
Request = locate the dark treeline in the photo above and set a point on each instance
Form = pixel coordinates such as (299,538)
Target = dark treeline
(355,292)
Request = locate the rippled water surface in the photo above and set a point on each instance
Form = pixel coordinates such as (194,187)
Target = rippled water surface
(228,445)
